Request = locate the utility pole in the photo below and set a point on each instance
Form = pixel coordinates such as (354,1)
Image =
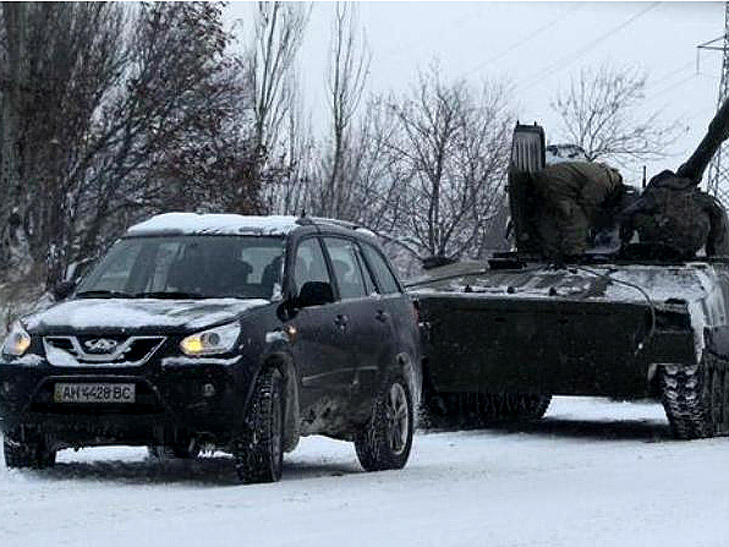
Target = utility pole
(718,181)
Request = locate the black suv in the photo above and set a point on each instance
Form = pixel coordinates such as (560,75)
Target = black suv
(220,332)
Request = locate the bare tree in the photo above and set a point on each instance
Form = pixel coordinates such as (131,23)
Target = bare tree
(451,154)
(377,193)
(177,95)
(296,162)
(602,111)
(278,31)
(103,107)
(60,62)
(349,61)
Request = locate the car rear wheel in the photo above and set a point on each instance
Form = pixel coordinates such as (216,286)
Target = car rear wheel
(259,455)
(385,442)
(19,454)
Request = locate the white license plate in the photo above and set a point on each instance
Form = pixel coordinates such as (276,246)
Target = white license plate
(94,393)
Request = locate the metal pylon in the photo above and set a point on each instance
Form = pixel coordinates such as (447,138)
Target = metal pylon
(717,183)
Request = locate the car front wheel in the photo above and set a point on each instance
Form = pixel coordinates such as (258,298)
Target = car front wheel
(385,441)
(20,454)
(259,455)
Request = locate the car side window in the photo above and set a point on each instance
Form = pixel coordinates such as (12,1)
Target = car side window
(369,280)
(386,280)
(343,255)
(310,264)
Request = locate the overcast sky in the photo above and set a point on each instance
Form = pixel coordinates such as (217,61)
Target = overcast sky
(536,47)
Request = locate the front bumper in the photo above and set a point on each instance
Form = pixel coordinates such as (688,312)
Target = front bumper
(174,403)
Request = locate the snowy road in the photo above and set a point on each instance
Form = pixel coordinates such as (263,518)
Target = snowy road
(592,473)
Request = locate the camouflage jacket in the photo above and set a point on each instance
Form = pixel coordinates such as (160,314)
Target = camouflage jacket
(587,185)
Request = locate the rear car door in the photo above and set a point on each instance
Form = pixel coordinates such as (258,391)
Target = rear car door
(393,309)
(321,349)
(369,328)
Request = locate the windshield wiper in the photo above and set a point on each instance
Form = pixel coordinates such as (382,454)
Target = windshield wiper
(169,294)
(103,293)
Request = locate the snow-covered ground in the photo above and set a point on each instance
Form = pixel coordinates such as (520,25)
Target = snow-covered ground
(592,473)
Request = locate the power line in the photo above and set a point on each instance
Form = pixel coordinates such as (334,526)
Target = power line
(564,62)
(673,86)
(670,75)
(528,38)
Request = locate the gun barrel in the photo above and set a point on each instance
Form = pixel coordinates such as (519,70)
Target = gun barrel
(693,169)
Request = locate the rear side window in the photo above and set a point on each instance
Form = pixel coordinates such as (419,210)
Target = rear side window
(346,266)
(386,281)
(310,264)
(369,280)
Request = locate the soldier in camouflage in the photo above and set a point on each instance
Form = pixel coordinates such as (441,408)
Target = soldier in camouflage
(673,216)
(677,219)
(571,197)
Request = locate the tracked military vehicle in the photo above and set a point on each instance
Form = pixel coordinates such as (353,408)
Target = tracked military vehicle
(504,335)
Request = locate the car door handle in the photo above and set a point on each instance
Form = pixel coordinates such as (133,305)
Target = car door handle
(381,315)
(341,321)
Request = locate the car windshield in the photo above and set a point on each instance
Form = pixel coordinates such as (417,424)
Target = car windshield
(191,266)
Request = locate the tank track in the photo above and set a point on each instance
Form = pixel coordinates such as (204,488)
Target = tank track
(472,410)
(696,398)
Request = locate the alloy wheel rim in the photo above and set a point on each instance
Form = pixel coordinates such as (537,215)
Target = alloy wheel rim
(398,419)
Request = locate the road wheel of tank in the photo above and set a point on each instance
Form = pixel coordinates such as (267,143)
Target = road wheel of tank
(259,455)
(385,441)
(469,410)
(515,406)
(532,407)
(691,398)
(33,455)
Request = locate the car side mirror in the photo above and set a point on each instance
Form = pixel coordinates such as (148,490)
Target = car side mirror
(315,293)
(63,290)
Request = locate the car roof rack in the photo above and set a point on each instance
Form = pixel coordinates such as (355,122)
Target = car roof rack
(305,220)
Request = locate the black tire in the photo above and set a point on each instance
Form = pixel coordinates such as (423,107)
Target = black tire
(259,455)
(23,455)
(694,398)
(386,440)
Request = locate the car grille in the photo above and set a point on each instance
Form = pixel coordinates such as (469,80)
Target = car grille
(68,351)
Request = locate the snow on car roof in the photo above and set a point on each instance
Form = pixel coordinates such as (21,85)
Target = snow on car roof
(214,224)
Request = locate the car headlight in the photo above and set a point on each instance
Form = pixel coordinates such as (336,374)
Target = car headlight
(211,342)
(17,341)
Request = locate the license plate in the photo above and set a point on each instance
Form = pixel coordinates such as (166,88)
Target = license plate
(94,393)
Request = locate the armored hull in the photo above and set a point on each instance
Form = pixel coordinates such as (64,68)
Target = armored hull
(503,336)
